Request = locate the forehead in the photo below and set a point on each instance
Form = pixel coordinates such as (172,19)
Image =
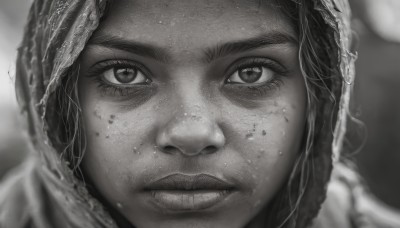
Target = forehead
(194,23)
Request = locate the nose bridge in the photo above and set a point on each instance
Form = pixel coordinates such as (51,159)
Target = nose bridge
(191,97)
(193,129)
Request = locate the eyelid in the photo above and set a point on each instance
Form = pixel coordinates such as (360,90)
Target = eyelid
(101,67)
(246,62)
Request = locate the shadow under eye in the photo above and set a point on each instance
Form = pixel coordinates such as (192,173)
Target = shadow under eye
(128,98)
(252,96)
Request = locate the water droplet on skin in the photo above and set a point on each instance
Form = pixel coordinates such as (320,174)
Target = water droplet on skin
(249,161)
(264,133)
(185,114)
(119,205)
(154,152)
(250,136)
(280,153)
(160,22)
(135,150)
(226,164)
(284,110)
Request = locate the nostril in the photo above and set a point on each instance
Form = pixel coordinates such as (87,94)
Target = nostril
(209,150)
(169,149)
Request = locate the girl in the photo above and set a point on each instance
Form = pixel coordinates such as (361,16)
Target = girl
(175,113)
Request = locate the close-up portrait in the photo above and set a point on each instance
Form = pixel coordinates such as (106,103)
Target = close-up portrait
(199,114)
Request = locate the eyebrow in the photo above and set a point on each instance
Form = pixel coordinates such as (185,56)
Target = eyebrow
(210,54)
(145,50)
(231,48)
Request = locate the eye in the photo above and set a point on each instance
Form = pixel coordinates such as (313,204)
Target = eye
(251,75)
(125,76)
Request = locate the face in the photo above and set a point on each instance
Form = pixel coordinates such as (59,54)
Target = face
(194,110)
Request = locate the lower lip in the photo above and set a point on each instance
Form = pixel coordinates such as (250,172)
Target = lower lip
(189,200)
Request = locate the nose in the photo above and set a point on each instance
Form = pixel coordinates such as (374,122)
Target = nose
(191,136)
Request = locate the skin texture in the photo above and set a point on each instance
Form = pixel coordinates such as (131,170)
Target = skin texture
(188,118)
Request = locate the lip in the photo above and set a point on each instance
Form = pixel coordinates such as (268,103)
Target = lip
(181,192)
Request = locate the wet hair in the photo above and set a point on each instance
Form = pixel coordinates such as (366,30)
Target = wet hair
(318,67)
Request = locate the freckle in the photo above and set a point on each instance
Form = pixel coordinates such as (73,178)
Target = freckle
(110,121)
(97,134)
(264,133)
(112,116)
(250,136)
(96,114)
(286,119)
(107,136)
(260,153)
(254,127)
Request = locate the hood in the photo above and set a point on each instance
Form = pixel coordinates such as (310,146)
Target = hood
(53,42)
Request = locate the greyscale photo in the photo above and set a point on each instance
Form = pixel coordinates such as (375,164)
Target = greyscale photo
(199,114)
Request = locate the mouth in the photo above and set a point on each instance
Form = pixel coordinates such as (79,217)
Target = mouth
(181,192)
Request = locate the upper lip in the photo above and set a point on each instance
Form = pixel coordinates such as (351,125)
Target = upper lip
(184,182)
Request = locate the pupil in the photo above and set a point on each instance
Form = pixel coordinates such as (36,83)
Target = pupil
(250,75)
(125,75)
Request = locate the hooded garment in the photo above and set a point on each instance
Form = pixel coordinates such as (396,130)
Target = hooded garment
(44,192)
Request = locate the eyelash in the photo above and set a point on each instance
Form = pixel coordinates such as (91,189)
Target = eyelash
(107,88)
(261,89)
(249,62)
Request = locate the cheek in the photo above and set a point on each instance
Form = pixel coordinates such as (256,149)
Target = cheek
(268,143)
(114,160)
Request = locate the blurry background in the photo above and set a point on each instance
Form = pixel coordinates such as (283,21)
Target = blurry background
(377,91)
(13,14)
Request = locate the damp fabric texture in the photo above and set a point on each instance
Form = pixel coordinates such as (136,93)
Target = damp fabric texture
(44,192)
